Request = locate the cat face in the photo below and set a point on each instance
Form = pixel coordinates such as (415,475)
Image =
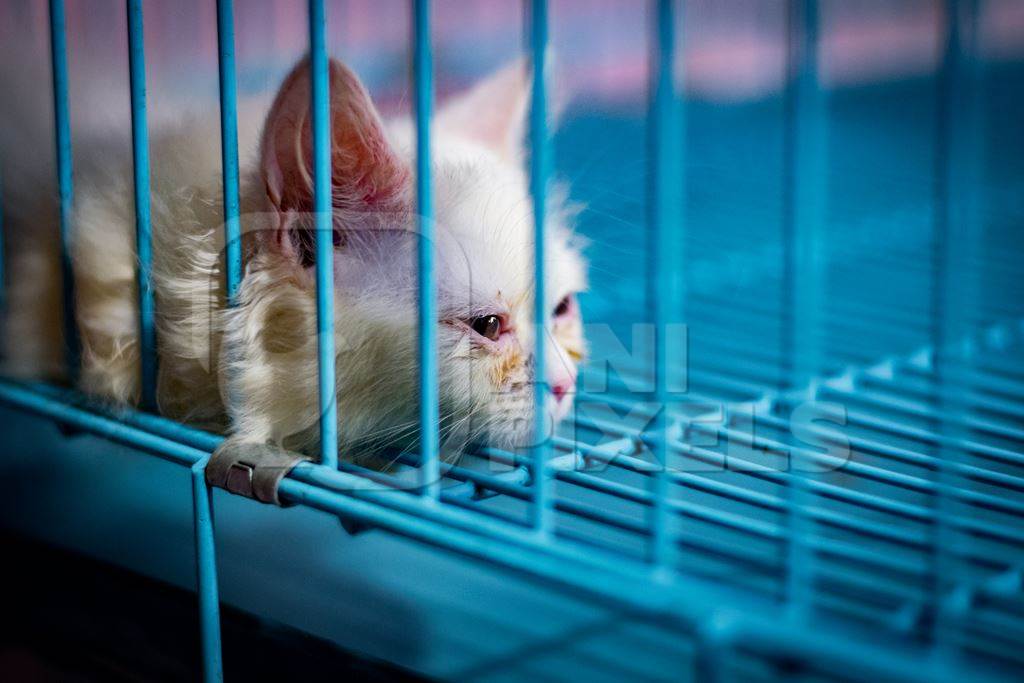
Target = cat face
(483,246)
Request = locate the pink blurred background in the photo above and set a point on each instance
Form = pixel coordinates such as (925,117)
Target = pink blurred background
(734,49)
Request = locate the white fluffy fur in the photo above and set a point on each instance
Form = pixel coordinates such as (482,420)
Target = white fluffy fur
(252,370)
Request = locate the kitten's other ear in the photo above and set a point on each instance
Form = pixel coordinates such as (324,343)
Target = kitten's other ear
(495,112)
(366,174)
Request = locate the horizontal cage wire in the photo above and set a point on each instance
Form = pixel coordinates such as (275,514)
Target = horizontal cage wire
(838,490)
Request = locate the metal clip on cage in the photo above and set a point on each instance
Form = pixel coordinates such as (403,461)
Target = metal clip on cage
(253,470)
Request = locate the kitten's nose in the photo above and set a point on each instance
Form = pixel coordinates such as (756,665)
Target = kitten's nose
(563,387)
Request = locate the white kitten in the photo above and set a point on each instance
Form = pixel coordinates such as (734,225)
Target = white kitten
(252,369)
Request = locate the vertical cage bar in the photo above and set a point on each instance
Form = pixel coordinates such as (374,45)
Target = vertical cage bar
(65,181)
(229,147)
(424,92)
(957,141)
(319,67)
(715,638)
(143,228)
(540,152)
(665,206)
(206,574)
(804,172)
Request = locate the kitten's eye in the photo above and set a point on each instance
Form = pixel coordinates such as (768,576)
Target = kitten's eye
(563,306)
(488,326)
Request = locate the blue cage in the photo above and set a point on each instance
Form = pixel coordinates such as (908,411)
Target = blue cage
(848,259)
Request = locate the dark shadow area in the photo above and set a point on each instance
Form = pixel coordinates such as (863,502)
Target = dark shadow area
(71,618)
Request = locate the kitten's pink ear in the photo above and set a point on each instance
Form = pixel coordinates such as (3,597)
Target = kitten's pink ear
(495,111)
(366,174)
